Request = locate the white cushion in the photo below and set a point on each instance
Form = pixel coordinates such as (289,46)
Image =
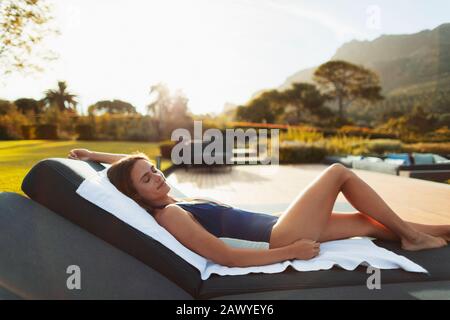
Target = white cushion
(439,159)
(399,162)
(372,159)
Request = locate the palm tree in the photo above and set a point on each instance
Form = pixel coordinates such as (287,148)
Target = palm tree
(60,98)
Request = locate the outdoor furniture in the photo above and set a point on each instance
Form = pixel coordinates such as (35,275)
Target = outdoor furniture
(347,161)
(420,166)
(205,160)
(40,237)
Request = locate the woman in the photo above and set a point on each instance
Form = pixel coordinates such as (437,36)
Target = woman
(296,234)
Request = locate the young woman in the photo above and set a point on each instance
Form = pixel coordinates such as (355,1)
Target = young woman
(296,234)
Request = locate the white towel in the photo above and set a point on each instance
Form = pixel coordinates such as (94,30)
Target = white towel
(347,254)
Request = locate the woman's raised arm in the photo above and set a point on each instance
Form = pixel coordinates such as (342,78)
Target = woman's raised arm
(85,155)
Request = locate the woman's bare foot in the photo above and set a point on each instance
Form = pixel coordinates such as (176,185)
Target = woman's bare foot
(447,237)
(442,231)
(423,241)
(445,234)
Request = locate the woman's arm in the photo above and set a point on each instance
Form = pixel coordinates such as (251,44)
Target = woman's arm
(191,234)
(241,257)
(106,157)
(85,154)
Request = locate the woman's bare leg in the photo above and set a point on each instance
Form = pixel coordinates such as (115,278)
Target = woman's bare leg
(307,217)
(348,225)
(442,231)
(362,197)
(357,224)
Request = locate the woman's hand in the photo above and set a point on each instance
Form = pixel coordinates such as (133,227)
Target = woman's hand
(305,249)
(80,154)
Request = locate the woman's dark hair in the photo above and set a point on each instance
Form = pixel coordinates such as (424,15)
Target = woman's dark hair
(119,174)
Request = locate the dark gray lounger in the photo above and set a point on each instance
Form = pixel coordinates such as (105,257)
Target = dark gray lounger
(38,245)
(39,241)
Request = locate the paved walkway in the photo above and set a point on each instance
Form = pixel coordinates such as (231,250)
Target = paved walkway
(270,189)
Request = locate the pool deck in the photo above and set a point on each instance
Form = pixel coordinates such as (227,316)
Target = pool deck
(270,189)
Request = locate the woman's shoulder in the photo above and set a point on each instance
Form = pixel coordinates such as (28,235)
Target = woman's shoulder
(167,207)
(172,213)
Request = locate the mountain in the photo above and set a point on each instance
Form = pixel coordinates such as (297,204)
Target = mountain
(410,64)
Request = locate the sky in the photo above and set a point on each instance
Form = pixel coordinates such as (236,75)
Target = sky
(214,51)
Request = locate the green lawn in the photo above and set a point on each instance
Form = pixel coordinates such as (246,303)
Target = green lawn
(18,156)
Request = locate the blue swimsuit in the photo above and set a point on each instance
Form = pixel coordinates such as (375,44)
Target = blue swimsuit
(225,221)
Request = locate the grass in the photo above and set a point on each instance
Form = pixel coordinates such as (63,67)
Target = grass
(17,157)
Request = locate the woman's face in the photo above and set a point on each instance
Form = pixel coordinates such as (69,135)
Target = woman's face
(148,181)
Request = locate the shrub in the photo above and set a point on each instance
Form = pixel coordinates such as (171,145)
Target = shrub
(382,135)
(28,132)
(11,124)
(301,134)
(444,120)
(4,133)
(125,127)
(384,146)
(342,144)
(85,132)
(355,131)
(293,152)
(141,129)
(6,107)
(439,135)
(436,148)
(365,132)
(47,131)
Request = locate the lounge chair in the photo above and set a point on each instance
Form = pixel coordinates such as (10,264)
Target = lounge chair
(420,166)
(206,160)
(54,228)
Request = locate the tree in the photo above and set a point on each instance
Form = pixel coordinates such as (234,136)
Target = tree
(6,107)
(112,107)
(266,108)
(178,115)
(26,105)
(60,98)
(420,122)
(304,97)
(256,111)
(179,105)
(24,24)
(414,124)
(346,83)
(289,105)
(170,110)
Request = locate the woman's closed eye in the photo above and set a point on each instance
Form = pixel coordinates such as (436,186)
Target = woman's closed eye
(147,177)
(148,174)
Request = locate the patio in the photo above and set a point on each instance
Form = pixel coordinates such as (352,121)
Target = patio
(270,189)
